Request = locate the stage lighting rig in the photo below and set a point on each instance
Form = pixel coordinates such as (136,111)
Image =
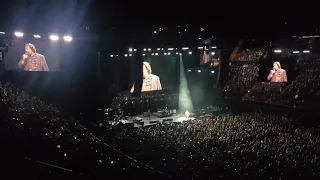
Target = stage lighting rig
(18,34)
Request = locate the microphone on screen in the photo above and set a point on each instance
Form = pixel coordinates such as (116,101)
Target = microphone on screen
(24,56)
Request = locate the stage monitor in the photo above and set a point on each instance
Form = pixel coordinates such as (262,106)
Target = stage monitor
(32,55)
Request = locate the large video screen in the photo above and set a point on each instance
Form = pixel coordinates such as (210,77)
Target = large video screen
(209,54)
(277,69)
(32,55)
(160,71)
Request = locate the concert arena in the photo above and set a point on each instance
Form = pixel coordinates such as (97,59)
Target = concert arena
(162,103)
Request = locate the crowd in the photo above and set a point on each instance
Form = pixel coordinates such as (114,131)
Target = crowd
(302,91)
(241,78)
(224,145)
(33,129)
(250,55)
(307,59)
(252,145)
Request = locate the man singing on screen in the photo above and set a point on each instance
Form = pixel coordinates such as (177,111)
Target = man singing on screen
(277,74)
(150,81)
(31,60)
(205,55)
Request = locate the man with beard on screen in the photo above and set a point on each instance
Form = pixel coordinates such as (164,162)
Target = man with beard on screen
(277,74)
(150,81)
(31,60)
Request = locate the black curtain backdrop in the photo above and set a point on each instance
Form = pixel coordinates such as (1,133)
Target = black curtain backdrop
(138,74)
(123,73)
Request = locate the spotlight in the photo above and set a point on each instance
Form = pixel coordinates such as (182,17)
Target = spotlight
(36,36)
(296,52)
(169,53)
(143,54)
(130,49)
(212,72)
(144,49)
(126,55)
(306,51)
(189,70)
(165,54)
(18,34)
(277,51)
(149,49)
(67,38)
(2,32)
(54,37)
(190,52)
(130,54)
(177,53)
(213,53)
(111,55)
(157,54)
(199,71)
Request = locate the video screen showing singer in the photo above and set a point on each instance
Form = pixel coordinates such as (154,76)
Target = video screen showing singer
(150,81)
(277,74)
(205,55)
(31,60)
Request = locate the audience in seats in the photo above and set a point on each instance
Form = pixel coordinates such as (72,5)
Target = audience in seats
(241,78)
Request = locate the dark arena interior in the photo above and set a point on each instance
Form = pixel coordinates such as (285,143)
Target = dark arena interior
(89,92)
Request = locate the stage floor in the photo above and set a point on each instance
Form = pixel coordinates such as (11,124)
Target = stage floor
(176,118)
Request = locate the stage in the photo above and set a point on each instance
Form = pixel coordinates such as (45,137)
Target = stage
(140,120)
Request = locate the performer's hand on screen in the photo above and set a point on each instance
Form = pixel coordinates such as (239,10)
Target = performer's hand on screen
(22,60)
(272,72)
(24,57)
